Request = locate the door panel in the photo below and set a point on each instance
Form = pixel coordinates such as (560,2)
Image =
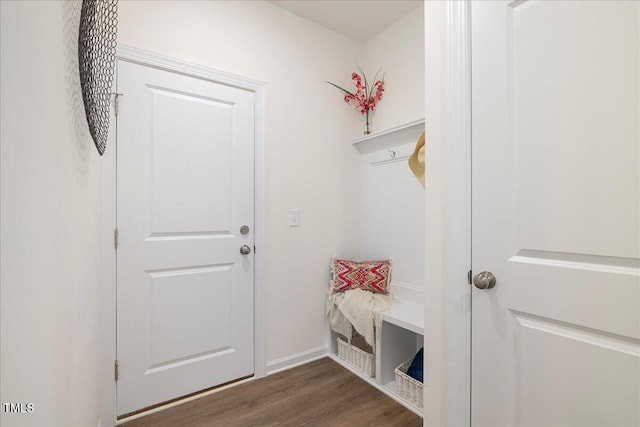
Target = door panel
(205,332)
(574,95)
(556,216)
(571,376)
(185,199)
(185,187)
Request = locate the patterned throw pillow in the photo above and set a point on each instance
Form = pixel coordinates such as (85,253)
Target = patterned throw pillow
(371,276)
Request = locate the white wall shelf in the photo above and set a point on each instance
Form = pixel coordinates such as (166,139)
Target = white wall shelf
(408,132)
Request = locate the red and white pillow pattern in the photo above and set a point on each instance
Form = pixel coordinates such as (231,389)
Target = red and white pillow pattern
(374,276)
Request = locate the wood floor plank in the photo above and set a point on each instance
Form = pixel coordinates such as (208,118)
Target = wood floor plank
(318,394)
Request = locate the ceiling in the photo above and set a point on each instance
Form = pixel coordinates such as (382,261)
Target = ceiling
(356,19)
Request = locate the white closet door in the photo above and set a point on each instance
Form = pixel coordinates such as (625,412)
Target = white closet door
(556,217)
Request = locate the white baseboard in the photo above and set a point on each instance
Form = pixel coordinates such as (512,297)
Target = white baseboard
(297,359)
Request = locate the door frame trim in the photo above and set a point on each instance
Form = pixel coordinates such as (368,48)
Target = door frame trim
(448,212)
(108,410)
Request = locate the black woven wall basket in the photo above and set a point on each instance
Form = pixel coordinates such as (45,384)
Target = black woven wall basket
(96,62)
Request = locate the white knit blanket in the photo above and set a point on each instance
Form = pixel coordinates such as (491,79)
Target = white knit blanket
(359,309)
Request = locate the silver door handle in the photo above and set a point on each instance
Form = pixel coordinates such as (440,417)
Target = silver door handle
(484,280)
(245,250)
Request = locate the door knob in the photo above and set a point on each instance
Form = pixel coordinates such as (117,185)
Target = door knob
(245,250)
(484,280)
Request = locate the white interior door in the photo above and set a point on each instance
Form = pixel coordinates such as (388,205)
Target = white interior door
(185,187)
(556,218)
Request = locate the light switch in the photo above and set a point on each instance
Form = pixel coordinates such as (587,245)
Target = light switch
(294,217)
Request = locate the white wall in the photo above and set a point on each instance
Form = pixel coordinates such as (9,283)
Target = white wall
(49,213)
(310,163)
(392,224)
(447,304)
(435,182)
(399,50)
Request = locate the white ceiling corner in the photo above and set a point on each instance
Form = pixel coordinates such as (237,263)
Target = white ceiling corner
(357,19)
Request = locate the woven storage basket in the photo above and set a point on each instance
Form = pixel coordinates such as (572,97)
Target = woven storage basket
(408,388)
(359,359)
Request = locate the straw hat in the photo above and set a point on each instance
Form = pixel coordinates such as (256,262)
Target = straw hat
(416,161)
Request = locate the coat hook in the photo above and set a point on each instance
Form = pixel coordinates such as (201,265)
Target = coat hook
(393,153)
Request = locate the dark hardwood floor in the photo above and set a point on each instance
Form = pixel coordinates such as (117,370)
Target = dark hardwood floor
(320,393)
